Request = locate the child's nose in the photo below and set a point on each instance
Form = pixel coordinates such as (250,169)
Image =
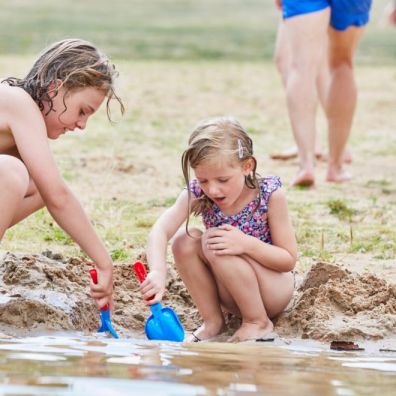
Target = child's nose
(213,189)
(80,124)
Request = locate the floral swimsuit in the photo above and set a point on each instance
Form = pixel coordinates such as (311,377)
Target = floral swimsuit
(250,222)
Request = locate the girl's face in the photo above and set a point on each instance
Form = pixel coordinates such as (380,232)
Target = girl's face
(223,181)
(80,105)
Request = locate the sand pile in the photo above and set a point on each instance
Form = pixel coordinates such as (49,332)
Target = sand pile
(332,304)
(47,292)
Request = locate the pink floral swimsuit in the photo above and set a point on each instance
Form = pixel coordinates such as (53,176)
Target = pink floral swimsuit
(255,224)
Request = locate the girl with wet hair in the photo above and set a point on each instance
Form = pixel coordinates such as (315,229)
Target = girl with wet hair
(66,85)
(242,262)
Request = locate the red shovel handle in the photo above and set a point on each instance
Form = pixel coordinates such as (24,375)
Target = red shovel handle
(141,273)
(94,277)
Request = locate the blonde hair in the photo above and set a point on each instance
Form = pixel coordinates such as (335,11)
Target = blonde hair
(213,138)
(77,63)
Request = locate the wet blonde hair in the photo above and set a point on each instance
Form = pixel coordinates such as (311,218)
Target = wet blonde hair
(75,62)
(212,139)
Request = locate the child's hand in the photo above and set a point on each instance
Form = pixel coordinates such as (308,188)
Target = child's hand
(103,290)
(153,285)
(226,240)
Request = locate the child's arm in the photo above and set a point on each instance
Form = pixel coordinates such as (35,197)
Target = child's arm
(163,230)
(280,256)
(29,131)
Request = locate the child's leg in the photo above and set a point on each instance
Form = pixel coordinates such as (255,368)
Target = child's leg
(199,281)
(257,292)
(14,183)
(30,204)
(239,280)
(276,288)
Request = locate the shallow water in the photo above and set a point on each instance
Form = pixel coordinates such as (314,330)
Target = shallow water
(81,365)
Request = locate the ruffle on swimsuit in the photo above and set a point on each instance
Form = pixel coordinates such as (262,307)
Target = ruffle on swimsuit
(249,221)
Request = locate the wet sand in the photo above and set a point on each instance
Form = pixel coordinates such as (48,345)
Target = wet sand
(47,292)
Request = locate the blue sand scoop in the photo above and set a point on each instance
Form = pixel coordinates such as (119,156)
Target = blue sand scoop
(105,325)
(163,324)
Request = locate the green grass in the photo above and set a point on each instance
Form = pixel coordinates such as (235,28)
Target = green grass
(166,29)
(340,209)
(181,61)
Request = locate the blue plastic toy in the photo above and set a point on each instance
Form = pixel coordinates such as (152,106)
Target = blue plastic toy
(105,325)
(163,324)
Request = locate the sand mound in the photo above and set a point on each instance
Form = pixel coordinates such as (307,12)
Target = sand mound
(47,292)
(333,303)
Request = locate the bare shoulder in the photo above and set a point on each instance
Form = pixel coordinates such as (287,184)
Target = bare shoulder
(278,196)
(11,97)
(17,109)
(277,205)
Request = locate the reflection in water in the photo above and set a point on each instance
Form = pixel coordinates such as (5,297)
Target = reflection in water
(78,365)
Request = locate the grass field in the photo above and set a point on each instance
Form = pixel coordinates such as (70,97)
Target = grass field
(242,30)
(181,61)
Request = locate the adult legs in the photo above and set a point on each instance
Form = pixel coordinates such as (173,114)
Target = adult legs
(307,37)
(341,98)
(282,58)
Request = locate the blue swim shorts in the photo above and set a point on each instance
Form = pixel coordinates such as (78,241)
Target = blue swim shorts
(344,13)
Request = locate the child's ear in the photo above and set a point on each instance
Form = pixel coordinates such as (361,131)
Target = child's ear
(54,87)
(248,166)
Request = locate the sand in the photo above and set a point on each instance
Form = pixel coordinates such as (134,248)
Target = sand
(47,292)
(333,303)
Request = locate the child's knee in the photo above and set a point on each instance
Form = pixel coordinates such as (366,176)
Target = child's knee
(209,254)
(184,245)
(34,194)
(14,175)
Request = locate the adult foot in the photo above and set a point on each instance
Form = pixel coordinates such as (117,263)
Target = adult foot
(252,331)
(338,175)
(291,153)
(346,157)
(204,333)
(304,178)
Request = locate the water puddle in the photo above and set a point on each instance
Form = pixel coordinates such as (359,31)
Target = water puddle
(81,365)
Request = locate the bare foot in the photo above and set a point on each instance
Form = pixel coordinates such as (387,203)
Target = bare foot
(205,332)
(338,175)
(346,157)
(252,331)
(304,178)
(290,153)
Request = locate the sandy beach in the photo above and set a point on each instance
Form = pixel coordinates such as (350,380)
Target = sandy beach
(49,292)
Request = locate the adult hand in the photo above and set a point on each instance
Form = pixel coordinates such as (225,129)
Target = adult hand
(153,285)
(278,3)
(103,290)
(226,240)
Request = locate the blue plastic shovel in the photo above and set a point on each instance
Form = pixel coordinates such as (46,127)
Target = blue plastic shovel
(104,311)
(163,324)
